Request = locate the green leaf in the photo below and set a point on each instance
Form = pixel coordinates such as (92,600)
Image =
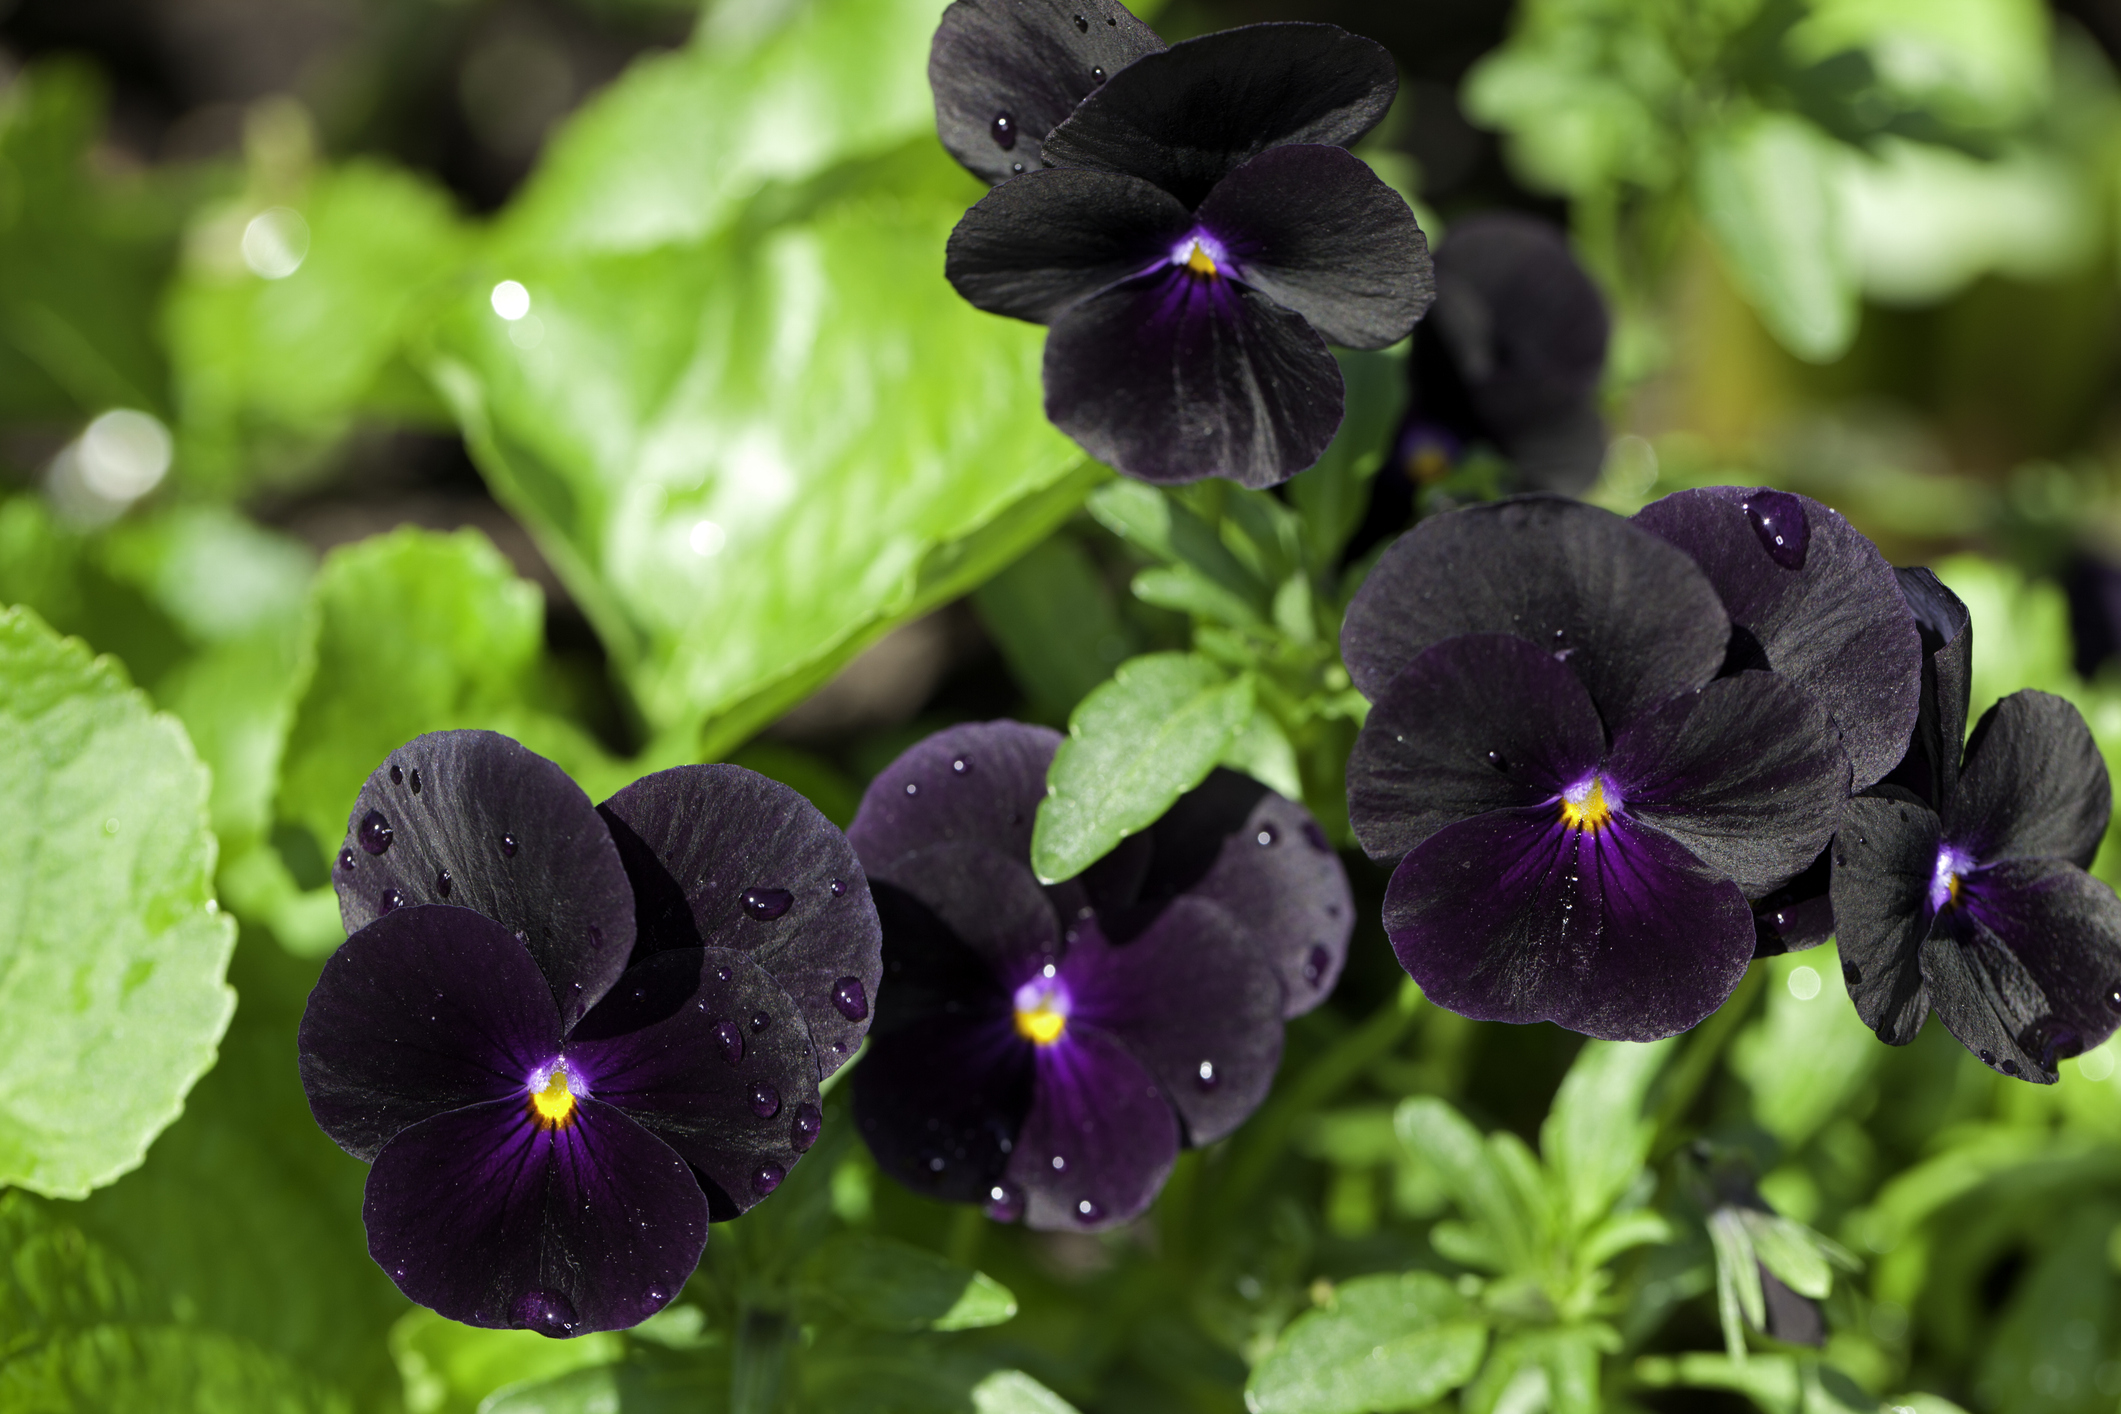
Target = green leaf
(1476,1179)
(449,1368)
(173,1368)
(1788,1250)
(1596,1136)
(1973,63)
(112,949)
(1051,614)
(1332,495)
(1133,747)
(1555,1370)
(1740,1300)
(1014,1392)
(1261,750)
(1778,1384)
(1385,1342)
(1160,526)
(1809,1055)
(1769,189)
(1185,590)
(894,1286)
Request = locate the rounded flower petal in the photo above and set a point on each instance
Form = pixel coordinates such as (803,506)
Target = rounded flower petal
(1633,616)
(1617,933)
(426,1010)
(475,820)
(2034,785)
(979,782)
(1032,248)
(1177,376)
(1099,1139)
(702,1048)
(1187,117)
(495,1219)
(1820,603)
(1006,72)
(1312,228)
(1885,864)
(1930,770)
(723,857)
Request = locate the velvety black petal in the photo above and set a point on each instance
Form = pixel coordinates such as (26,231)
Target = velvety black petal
(1619,933)
(1885,863)
(1746,773)
(989,902)
(2034,786)
(1819,601)
(427,1010)
(979,782)
(1930,769)
(1176,376)
(475,820)
(1798,915)
(495,1219)
(2026,969)
(1631,615)
(702,1048)
(1006,72)
(1099,1139)
(724,857)
(1313,228)
(1480,722)
(1259,856)
(1187,117)
(1032,248)
(1195,1002)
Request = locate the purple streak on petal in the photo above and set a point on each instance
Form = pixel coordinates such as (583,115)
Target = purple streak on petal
(1097,1111)
(993,803)
(428,1010)
(650,1049)
(1618,933)
(560,884)
(492,1219)
(699,840)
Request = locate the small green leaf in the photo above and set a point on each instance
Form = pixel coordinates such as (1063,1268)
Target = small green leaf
(1596,1137)
(1740,1300)
(891,1285)
(1185,590)
(1555,1370)
(1261,750)
(1014,1392)
(1476,1179)
(1134,746)
(1787,1249)
(112,948)
(1385,1342)
(1163,528)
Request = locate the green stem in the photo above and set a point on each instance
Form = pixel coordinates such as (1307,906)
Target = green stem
(760,1361)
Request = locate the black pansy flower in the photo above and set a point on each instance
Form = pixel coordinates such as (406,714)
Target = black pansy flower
(1959,884)
(1047,1050)
(1196,237)
(561,1074)
(1811,600)
(1581,806)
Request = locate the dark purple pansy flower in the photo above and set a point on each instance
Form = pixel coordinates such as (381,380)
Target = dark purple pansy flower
(1047,1050)
(1580,805)
(1198,234)
(556,1103)
(1811,600)
(1959,883)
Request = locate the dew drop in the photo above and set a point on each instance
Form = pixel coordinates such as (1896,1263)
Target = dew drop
(346,859)
(729,1037)
(1004,130)
(767,904)
(397,777)
(1005,1203)
(765,1100)
(839,888)
(912,788)
(1206,1078)
(1060,1165)
(1082,24)
(443,884)
(508,846)
(1988,1057)
(1112,20)
(759,1022)
(767,1177)
(416,780)
(809,1123)
(1851,974)
(1498,761)
(937,1163)
(849,999)
(375,833)
(544,1311)
(1017,168)
(961,766)
(2010,1067)
(1778,519)
(1266,836)
(1315,965)
(2113,995)
(391,899)
(1089,1210)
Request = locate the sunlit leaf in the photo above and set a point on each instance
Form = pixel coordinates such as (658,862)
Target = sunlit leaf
(1385,1342)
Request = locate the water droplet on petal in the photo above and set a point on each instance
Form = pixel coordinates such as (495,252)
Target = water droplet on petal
(766,1178)
(759,1022)
(1060,1165)
(730,1038)
(443,884)
(508,845)
(1098,75)
(849,999)
(2113,995)
(1004,130)
(416,780)
(765,1100)
(1089,1210)
(346,859)
(1778,519)
(723,974)
(544,1311)
(912,788)
(809,1123)
(961,765)
(391,899)
(1082,24)
(838,888)
(767,904)
(1498,761)
(1005,1203)
(1988,1057)
(1266,836)
(1207,1079)
(2010,1067)
(375,833)
(1018,168)
(397,777)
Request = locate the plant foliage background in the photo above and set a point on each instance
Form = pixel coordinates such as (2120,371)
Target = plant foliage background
(584,370)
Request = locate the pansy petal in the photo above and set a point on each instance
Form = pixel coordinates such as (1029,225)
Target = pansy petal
(723,857)
(495,1219)
(1313,228)
(1099,1139)
(1006,72)
(1194,1001)
(475,820)
(426,1010)
(2025,970)
(1189,116)
(1563,456)
(1885,860)
(1798,915)
(1632,615)
(1617,933)
(702,1048)
(1747,773)
(2034,785)
(1031,248)
(1930,769)
(1176,376)
(989,902)
(1819,601)
(1480,722)
(1524,327)
(980,782)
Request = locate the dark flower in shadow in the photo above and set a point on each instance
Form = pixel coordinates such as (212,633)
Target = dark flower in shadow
(1582,807)
(556,1103)
(2093,587)
(1197,236)
(1959,883)
(1047,1050)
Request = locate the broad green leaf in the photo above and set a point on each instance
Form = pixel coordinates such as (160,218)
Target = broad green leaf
(1384,1342)
(652,1382)
(1166,529)
(54,1278)
(1622,1231)
(1014,1392)
(1051,614)
(1596,1136)
(1134,746)
(449,1368)
(112,949)
(1810,1054)
(894,1286)
(1769,189)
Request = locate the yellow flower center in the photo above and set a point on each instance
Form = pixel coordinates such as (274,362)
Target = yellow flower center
(1589,812)
(1041,1023)
(1199,262)
(554,1104)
